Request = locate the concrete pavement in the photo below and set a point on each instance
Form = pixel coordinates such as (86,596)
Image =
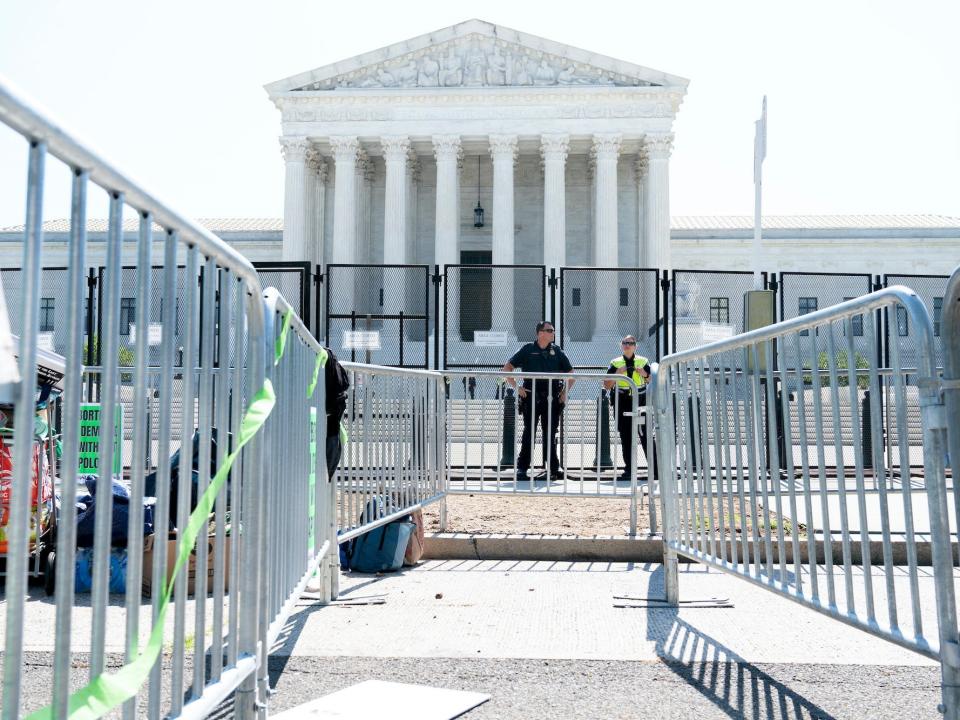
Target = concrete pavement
(544,639)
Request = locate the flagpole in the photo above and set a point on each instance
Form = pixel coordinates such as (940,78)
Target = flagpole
(759,152)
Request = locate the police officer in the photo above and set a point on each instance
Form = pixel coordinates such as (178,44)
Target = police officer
(542,401)
(636,367)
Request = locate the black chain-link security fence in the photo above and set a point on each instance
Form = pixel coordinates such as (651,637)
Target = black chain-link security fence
(54,289)
(601,305)
(293,280)
(391,301)
(931,289)
(489,311)
(706,306)
(801,293)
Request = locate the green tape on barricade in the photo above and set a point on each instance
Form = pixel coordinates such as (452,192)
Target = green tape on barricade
(321,362)
(281,344)
(109,690)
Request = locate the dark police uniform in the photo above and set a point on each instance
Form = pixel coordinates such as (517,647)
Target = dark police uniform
(534,407)
(622,403)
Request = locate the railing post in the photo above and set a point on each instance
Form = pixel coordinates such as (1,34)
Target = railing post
(666,472)
(950,386)
(603,459)
(508,457)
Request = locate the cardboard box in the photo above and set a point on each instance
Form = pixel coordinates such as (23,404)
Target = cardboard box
(150,545)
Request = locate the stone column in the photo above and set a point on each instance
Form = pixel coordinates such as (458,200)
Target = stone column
(606,148)
(554,149)
(315,241)
(363,190)
(413,288)
(640,167)
(295,197)
(395,150)
(503,150)
(446,149)
(657,202)
(345,150)
(413,206)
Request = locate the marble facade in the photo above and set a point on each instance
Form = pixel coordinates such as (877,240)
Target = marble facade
(567,151)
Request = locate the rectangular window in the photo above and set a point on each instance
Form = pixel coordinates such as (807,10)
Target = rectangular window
(575,297)
(127,314)
(46,314)
(720,310)
(624,297)
(856,322)
(806,305)
(937,315)
(903,327)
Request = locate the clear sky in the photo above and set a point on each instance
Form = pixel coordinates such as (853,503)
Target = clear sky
(864,97)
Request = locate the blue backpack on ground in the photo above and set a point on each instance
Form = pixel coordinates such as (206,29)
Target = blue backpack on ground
(382,549)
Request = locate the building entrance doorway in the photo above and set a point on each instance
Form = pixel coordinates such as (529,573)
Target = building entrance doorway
(476,286)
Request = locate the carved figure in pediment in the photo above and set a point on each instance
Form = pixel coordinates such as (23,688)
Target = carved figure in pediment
(451,75)
(429,74)
(496,68)
(476,63)
(407,75)
(568,76)
(545,75)
(522,74)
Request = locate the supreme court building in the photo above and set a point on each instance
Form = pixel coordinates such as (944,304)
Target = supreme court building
(391,155)
(477,145)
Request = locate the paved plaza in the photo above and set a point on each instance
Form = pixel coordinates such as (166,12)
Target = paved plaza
(545,640)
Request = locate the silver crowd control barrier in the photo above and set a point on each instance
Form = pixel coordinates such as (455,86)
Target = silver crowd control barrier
(297,508)
(392,463)
(576,448)
(767,473)
(182,649)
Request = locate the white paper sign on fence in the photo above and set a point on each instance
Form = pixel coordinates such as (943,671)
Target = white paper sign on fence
(154,333)
(361,339)
(713,332)
(490,338)
(45,341)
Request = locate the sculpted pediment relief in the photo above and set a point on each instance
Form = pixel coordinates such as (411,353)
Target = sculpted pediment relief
(476,61)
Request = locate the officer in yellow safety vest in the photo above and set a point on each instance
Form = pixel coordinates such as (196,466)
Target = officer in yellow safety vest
(637,368)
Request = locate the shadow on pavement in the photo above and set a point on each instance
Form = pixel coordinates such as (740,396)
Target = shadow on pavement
(733,685)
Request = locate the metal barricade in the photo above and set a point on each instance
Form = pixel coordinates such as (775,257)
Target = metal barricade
(486,445)
(740,495)
(392,463)
(210,645)
(297,507)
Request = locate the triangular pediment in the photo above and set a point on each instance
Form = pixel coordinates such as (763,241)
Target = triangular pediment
(475,54)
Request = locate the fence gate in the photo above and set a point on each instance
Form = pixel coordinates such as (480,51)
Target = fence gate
(488,310)
(293,280)
(706,304)
(601,305)
(931,289)
(803,292)
(390,300)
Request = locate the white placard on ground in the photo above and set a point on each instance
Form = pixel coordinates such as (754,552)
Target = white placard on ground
(154,333)
(490,338)
(45,341)
(713,332)
(377,699)
(361,339)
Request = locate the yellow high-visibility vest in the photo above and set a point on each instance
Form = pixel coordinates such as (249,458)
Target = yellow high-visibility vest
(638,362)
